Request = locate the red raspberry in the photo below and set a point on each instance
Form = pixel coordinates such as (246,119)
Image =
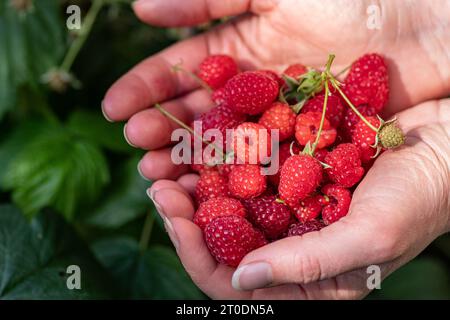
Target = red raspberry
(300,229)
(216,70)
(351,119)
(345,165)
(218,96)
(306,127)
(367,82)
(363,137)
(211,185)
(284,152)
(295,70)
(230,238)
(246,181)
(225,169)
(300,175)
(273,75)
(321,154)
(335,109)
(249,139)
(250,92)
(216,207)
(269,216)
(279,116)
(309,208)
(338,203)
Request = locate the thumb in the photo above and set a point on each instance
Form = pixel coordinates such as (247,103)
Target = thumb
(175,13)
(341,247)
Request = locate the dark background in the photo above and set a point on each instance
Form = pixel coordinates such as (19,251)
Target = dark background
(69,189)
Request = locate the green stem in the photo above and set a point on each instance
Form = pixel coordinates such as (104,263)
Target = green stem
(354,109)
(146,232)
(202,83)
(322,119)
(343,71)
(85,30)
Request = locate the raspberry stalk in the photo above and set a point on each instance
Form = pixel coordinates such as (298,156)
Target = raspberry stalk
(203,84)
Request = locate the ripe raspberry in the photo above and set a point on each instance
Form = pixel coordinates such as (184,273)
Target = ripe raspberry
(351,119)
(300,175)
(338,203)
(363,137)
(306,127)
(345,165)
(300,229)
(246,181)
(216,207)
(225,169)
(218,96)
(279,116)
(321,154)
(295,70)
(211,185)
(269,216)
(250,92)
(284,152)
(273,75)
(216,70)
(335,109)
(308,209)
(367,82)
(249,141)
(230,238)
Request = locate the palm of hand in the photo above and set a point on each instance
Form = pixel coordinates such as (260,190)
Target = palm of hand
(393,215)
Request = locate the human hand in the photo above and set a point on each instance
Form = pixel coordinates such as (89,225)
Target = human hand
(412,48)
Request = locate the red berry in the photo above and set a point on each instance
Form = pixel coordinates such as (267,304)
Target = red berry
(367,82)
(250,141)
(230,238)
(300,175)
(269,216)
(345,162)
(306,127)
(351,119)
(273,75)
(279,116)
(283,153)
(295,70)
(218,96)
(364,138)
(300,229)
(225,169)
(335,109)
(338,203)
(216,70)
(246,181)
(216,207)
(321,154)
(250,92)
(309,208)
(211,185)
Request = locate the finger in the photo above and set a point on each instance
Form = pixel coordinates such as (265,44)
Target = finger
(338,248)
(209,276)
(188,182)
(154,80)
(173,13)
(158,164)
(150,129)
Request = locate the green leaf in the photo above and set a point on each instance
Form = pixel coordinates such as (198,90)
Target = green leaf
(31,43)
(154,274)
(58,171)
(127,201)
(94,127)
(35,256)
(422,278)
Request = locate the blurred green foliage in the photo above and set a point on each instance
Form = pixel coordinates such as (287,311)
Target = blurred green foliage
(69,186)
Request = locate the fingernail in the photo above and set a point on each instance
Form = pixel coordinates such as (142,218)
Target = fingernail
(168,225)
(252,276)
(141,174)
(104,113)
(125,136)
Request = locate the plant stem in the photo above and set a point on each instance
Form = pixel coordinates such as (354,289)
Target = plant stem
(322,119)
(202,83)
(343,71)
(146,232)
(354,109)
(85,30)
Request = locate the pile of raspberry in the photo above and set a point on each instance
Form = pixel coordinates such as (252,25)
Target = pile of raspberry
(239,208)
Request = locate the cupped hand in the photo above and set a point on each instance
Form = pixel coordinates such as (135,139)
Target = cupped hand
(271,34)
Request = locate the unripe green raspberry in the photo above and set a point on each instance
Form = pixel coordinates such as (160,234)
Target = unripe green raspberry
(390,135)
